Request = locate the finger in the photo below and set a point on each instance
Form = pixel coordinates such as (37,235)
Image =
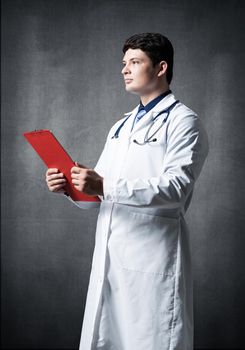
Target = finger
(79,188)
(76,182)
(57,188)
(75,170)
(84,189)
(57,182)
(76,176)
(52,171)
(62,190)
(55,176)
(51,178)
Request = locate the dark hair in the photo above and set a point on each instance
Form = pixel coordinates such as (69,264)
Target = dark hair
(157,47)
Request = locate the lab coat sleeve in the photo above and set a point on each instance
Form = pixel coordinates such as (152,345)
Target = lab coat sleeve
(187,148)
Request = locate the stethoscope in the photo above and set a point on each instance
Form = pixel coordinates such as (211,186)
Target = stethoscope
(148,138)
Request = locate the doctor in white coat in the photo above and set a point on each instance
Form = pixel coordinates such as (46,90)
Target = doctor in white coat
(140,289)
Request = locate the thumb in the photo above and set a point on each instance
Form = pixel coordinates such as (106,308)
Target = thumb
(80,165)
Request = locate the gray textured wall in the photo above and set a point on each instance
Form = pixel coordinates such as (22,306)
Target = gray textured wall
(61,63)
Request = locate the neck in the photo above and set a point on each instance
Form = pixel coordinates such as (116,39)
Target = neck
(146,98)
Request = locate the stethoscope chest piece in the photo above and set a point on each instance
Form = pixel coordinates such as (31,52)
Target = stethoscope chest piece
(150,135)
(144,142)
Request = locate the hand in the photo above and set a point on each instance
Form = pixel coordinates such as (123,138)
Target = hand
(55,180)
(87,180)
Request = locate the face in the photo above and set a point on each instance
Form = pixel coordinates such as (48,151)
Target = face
(140,76)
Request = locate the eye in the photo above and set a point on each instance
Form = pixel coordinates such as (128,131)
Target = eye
(135,62)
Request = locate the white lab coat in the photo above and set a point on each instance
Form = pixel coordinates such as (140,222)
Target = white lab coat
(140,289)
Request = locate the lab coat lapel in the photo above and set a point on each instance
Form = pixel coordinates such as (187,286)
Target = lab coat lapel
(145,120)
(129,123)
(163,104)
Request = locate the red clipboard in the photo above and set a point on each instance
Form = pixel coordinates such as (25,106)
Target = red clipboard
(54,156)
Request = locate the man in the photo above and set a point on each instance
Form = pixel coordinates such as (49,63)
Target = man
(140,290)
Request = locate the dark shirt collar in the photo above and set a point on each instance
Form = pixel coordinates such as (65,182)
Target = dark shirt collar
(154,102)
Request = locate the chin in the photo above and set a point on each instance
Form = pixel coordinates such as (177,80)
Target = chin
(132,90)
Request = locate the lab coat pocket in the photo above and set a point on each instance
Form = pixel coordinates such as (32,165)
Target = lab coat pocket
(151,244)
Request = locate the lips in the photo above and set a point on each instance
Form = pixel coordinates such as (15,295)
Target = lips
(127,81)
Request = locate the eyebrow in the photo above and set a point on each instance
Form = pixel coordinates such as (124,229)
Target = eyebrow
(133,58)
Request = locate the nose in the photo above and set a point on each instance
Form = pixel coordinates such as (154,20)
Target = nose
(125,69)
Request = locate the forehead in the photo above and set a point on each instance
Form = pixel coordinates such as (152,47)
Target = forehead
(135,53)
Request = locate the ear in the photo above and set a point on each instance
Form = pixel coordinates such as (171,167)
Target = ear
(162,68)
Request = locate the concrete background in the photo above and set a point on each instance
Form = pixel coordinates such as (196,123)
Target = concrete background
(61,63)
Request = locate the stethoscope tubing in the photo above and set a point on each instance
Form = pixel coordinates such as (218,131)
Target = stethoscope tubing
(147,138)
